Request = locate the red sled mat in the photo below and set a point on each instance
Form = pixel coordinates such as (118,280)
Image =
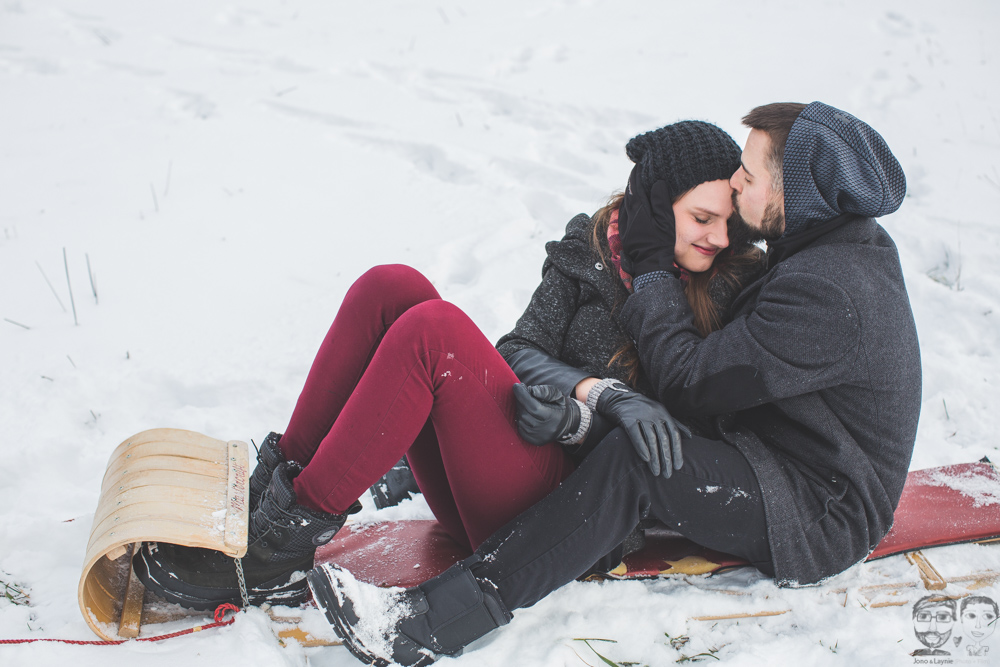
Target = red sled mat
(947,505)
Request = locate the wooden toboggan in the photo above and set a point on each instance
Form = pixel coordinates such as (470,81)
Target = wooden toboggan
(162,485)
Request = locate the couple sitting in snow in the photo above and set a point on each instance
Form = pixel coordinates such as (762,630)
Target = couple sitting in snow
(663,354)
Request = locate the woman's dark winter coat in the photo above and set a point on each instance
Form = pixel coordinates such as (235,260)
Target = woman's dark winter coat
(570,316)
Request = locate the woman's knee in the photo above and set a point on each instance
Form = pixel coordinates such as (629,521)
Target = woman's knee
(436,318)
(402,284)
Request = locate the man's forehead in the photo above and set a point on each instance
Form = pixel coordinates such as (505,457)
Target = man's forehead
(757,146)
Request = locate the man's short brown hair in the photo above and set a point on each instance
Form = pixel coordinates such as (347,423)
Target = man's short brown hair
(776,120)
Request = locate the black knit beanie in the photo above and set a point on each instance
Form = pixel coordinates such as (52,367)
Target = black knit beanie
(684,155)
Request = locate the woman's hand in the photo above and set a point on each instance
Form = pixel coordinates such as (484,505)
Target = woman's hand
(545,414)
(655,434)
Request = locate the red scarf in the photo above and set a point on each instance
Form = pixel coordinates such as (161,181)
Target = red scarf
(615,243)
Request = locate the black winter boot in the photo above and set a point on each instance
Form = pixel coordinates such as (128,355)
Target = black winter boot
(282,540)
(269,456)
(411,627)
(395,486)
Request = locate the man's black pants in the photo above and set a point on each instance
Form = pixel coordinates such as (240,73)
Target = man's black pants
(713,500)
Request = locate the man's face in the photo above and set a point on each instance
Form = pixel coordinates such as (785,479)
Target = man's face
(933,625)
(754,197)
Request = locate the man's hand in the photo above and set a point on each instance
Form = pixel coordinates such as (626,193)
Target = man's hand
(655,434)
(646,225)
(545,414)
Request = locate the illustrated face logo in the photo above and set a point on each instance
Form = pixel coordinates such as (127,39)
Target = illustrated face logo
(979,618)
(933,620)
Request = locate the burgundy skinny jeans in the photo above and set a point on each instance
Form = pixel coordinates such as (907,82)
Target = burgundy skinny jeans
(403,372)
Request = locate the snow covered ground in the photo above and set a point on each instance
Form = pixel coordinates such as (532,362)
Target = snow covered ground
(225,170)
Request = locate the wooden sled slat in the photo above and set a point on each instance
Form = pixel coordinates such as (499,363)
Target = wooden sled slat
(168,462)
(179,440)
(933,581)
(176,478)
(161,493)
(144,452)
(208,482)
(159,523)
(131,617)
(140,471)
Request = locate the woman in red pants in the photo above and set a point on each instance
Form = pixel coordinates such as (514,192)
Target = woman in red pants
(403,372)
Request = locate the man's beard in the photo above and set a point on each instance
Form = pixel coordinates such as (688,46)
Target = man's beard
(772,224)
(933,639)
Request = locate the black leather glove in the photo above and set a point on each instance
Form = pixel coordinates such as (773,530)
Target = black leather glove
(545,414)
(534,367)
(655,435)
(646,227)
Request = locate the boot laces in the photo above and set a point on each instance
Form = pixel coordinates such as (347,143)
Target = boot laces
(262,522)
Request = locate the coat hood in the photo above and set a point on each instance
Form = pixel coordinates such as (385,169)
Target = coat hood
(836,164)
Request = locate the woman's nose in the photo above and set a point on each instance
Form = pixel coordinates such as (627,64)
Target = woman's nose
(718,234)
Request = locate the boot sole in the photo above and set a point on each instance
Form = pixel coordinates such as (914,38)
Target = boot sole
(328,602)
(200,598)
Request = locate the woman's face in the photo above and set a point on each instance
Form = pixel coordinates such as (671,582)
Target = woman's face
(700,220)
(979,620)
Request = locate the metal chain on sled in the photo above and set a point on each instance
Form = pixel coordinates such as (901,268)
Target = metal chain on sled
(243,583)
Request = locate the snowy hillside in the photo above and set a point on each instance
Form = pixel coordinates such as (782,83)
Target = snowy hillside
(218,173)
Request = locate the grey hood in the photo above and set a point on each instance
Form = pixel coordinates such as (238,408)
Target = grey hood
(836,164)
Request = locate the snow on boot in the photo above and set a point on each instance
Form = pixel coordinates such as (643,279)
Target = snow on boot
(411,627)
(282,540)
(269,456)
(395,486)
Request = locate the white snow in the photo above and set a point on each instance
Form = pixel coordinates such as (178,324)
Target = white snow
(982,492)
(378,609)
(224,171)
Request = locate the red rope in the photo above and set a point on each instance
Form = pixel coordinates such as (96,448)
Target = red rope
(220,615)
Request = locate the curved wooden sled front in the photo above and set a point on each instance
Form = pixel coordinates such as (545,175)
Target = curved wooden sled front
(162,485)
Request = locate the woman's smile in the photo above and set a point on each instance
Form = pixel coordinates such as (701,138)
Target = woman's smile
(710,252)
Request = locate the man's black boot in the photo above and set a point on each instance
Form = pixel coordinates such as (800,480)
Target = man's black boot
(282,540)
(411,627)
(395,486)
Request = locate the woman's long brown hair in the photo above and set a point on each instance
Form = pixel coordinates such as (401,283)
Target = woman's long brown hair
(727,266)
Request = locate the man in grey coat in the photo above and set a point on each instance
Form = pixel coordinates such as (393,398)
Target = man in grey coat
(812,391)
(817,382)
